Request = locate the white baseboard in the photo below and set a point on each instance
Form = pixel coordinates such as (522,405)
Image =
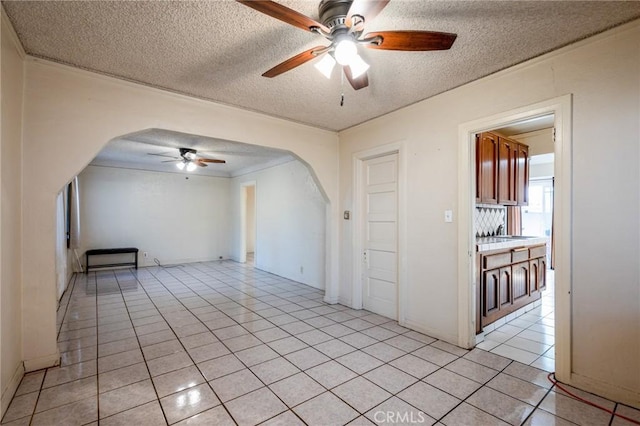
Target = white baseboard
(42,362)
(345,302)
(331,300)
(606,390)
(10,389)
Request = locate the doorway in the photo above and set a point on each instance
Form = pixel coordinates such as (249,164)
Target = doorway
(527,335)
(380,235)
(379,230)
(560,108)
(248,226)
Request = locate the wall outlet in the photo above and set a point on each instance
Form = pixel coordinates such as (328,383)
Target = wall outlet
(145,254)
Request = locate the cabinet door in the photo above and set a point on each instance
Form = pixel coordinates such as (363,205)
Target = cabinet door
(522,175)
(478,169)
(507,158)
(520,280)
(488,159)
(490,292)
(506,288)
(542,273)
(534,277)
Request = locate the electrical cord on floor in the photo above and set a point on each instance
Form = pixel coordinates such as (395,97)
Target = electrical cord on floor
(552,379)
(155,259)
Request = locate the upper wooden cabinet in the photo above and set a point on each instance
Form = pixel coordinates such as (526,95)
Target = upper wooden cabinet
(522,175)
(507,160)
(502,170)
(487,168)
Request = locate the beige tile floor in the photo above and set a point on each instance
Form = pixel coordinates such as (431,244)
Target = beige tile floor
(527,336)
(222,343)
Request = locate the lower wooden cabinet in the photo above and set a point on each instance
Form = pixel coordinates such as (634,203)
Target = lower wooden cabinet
(509,280)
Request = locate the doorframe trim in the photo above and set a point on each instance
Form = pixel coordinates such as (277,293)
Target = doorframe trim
(358,162)
(242,255)
(561,107)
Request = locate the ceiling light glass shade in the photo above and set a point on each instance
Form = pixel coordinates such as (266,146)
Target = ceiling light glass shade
(190,155)
(325,65)
(345,51)
(191,167)
(358,66)
(180,165)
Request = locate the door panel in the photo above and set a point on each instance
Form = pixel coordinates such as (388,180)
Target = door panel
(380,257)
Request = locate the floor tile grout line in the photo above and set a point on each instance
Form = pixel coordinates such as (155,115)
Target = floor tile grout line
(537,406)
(187,289)
(190,357)
(144,360)
(469,396)
(44,378)
(39,390)
(358,375)
(267,386)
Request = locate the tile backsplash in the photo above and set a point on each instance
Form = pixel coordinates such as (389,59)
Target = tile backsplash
(488,218)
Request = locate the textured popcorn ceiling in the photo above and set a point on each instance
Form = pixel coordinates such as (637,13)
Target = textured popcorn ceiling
(135,151)
(218,50)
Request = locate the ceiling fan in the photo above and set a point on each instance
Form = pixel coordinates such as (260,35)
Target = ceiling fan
(188,159)
(342,23)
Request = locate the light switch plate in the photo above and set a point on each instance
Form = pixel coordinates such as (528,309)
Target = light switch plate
(448,216)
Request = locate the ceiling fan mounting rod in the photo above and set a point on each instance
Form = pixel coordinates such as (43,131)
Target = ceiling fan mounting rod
(377,40)
(323,50)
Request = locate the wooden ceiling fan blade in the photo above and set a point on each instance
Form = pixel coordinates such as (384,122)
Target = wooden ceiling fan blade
(368,9)
(199,162)
(211,160)
(358,83)
(411,40)
(291,63)
(283,13)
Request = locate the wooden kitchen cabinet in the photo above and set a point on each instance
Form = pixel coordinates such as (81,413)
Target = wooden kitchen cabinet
(502,170)
(507,161)
(487,168)
(508,280)
(522,175)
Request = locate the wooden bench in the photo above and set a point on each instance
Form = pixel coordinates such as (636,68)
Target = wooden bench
(110,251)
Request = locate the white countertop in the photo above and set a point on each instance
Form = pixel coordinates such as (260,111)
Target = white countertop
(500,242)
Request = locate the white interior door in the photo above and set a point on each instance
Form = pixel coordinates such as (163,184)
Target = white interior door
(380,245)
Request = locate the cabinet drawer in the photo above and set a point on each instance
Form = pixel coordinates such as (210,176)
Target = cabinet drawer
(496,260)
(519,254)
(538,251)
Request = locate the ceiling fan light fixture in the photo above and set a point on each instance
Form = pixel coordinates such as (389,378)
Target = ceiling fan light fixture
(180,165)
(358,66)
(325,65)
(191,166)
(345,50)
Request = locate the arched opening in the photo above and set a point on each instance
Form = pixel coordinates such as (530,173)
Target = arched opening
(132,195)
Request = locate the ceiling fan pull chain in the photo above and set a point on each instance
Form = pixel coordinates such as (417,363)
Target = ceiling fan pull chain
(342,88)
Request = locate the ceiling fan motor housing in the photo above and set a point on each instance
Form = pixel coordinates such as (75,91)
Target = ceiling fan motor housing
(188,153)
(333,13)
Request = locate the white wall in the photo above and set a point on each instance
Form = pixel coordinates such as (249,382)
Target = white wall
(10,214)
(603,74)
(290,222)
(251,219)
(539,142)
(173,217)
